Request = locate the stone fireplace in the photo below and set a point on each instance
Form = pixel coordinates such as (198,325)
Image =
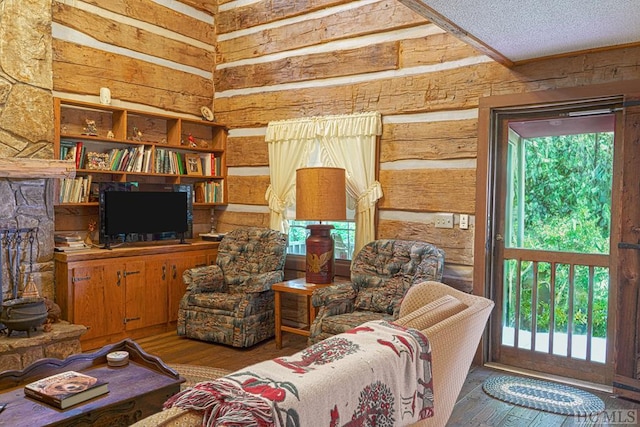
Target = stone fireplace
(27,195)
(27,199)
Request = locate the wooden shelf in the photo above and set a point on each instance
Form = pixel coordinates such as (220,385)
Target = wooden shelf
(152,147)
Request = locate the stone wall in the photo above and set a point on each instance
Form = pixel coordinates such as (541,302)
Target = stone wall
(26,128)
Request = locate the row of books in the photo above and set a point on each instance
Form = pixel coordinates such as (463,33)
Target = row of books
(139,159)
(65,242)
(209,192)
(169,162)
(211,164)
(131,159)
(73,151)
(75,190)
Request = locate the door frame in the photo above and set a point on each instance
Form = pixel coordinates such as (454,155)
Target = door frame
(485,180)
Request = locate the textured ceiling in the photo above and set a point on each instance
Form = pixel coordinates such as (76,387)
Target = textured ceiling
(523,30)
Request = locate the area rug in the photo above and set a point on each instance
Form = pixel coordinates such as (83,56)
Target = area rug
(543,395)
(194,374)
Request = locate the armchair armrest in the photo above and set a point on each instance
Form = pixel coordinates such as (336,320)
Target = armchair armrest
(334,294)
(204,279)
(257,282)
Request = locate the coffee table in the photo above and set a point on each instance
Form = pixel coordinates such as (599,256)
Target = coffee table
(136,390)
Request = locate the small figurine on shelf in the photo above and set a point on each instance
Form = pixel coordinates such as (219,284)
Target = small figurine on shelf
(90,128)
(137,134)
(110,135)
(192,141)
(91,227)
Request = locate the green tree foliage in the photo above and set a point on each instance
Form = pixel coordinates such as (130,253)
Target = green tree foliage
(567,207)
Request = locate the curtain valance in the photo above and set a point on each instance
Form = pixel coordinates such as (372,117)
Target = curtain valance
(360,124)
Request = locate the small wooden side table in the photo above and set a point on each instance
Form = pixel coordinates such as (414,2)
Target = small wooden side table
(297,286)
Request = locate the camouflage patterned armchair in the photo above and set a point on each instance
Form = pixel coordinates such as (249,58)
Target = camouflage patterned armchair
(381,274)
(231,302)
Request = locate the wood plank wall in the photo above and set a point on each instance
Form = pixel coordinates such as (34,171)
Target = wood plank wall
(153,56)
(278,59)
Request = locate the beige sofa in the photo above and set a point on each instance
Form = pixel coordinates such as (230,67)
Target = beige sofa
(453,329)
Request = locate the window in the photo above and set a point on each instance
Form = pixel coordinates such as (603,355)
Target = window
(344,235)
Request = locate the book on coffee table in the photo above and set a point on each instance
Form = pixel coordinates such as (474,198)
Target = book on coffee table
(66,389)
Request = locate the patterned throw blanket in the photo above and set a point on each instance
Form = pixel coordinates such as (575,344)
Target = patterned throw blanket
(378,374)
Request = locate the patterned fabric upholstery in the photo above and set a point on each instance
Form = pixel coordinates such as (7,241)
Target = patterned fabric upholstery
(231,302)
(381,274)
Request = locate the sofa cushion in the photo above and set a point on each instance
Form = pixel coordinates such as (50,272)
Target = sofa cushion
(225,303)
(432,313)
(381,295)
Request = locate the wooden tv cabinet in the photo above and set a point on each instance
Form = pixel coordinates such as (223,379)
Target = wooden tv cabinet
(130,291)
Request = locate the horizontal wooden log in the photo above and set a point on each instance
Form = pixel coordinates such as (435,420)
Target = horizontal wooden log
(266,11)
(230,220)
(456,139)
(434,49)
(457,244)
(248,190)
(18,167)
(247,151)
(429,190)
(363,60)
(204,5)
(454,89)
(154,13)
(132,38)
(309,32)
(158,86)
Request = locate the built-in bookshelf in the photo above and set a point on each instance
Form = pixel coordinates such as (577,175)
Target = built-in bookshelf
(110,143)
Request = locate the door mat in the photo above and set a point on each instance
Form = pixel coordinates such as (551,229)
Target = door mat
(543,395)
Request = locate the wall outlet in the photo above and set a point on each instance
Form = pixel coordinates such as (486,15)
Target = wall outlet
(464,221)
(444,220)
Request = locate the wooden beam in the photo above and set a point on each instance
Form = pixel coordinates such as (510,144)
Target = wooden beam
(36,168)
(450,27)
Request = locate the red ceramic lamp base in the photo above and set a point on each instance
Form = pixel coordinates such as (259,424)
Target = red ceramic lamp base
(320,257)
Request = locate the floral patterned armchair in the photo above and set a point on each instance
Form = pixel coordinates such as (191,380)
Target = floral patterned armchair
(381,274)
(231,302)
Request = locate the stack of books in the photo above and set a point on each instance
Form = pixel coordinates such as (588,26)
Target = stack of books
(65,242)
(66,389)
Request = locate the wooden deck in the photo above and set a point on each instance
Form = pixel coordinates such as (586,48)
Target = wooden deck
(474,407)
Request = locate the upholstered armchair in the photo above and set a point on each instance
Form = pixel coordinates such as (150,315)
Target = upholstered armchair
(231,302)
(381,274)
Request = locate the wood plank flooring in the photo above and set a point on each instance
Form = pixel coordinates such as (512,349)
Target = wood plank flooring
(474,406)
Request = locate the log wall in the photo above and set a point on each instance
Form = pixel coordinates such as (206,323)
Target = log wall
(280,59)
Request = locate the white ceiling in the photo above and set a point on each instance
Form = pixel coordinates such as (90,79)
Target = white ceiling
(520,30)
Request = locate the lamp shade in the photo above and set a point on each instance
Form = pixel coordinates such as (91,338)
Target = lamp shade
(321,194)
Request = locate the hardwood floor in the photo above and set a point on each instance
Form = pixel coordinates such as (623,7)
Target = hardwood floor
(474,406)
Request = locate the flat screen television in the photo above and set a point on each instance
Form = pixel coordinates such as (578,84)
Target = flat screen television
(132,212)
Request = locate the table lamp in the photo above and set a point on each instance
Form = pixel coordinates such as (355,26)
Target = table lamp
(320,196)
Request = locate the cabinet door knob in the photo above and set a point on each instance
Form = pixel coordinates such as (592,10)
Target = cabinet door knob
(164,272)
(119,278)
(175,271)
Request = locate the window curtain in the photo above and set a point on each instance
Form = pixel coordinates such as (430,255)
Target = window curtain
(346,141)
(289,144)
(350,143)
